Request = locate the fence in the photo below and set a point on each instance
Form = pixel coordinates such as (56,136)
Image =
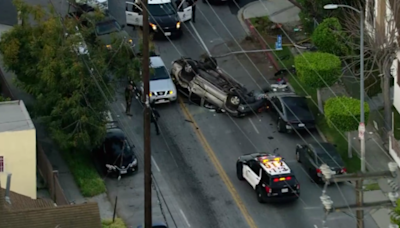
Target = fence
(44,166)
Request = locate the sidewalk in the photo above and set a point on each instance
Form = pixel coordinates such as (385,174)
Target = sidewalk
(377,156)
(65,177)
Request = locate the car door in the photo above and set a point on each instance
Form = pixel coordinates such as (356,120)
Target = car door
(276,107)
(184,11)
(310,159)
(134,14)
(251,172)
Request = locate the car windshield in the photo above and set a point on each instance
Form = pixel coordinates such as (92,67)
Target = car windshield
(159,73)
(121,146)
(161,9)
(107,27)
(328,156)
(297,108)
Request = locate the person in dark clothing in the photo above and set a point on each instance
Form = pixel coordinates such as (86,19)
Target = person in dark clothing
(178,3)
(192,3)
(128,97)
(155,115)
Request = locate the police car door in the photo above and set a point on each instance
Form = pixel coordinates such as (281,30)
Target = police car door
(134,14)
(251,172)
(184,13)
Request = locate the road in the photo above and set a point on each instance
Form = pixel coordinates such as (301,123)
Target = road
(200,191)
(230,138)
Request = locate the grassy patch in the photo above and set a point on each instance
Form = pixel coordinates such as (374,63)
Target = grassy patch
(332,135)
(372,187)
(284,57)
(85,174)
(118,223)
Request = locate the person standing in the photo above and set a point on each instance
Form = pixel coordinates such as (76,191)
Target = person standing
(128,97)
(155,115)
(192,3)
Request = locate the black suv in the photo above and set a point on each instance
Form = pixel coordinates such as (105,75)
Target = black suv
(269,176)
(291,112)
(116,155)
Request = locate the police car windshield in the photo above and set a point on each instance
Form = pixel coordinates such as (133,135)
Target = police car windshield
(107,27)
(164,9)
(159,73)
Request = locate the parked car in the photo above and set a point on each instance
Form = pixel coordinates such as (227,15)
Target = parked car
(164,17)
(116,155)
(204,81)
(108,29)
(291,111)
(162,88)
(313,155)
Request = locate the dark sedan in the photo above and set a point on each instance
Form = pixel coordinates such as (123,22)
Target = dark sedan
(116,155)
(164,20)
(291,112)
(313,155)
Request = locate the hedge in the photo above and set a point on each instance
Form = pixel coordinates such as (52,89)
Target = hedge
(344,113)
(318,69)
(329,37)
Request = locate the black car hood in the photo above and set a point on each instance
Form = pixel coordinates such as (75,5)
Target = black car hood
(332,162)
(164,21)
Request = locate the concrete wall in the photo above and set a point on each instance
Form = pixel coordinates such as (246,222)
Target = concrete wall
(19,151)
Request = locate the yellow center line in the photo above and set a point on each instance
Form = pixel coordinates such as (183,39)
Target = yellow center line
(218,166)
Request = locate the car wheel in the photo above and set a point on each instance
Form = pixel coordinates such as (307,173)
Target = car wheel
(298,156)
(259,195)
(280,125)
(232,102)
(211,63)
(239,170)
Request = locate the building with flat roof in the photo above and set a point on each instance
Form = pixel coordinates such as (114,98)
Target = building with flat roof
(18,148)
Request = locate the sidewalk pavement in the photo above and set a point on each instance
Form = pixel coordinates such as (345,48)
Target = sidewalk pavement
(377,156)
(65,177)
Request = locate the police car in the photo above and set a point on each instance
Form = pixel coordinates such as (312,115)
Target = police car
(164,17)
(269,176)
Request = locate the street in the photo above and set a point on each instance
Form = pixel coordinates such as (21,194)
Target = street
(194,157)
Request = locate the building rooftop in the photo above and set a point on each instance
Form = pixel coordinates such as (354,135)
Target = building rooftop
(14,116)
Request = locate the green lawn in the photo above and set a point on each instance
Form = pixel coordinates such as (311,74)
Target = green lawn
(332,135)
(284,57)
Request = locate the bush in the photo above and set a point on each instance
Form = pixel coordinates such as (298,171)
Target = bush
(344,113)
(118,223)
(329,37)
(318,69)
(85,174)
(4,98)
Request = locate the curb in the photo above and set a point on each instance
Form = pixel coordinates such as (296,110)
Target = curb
(254,33)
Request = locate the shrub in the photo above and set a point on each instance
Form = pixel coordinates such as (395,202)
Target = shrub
(318,69)
(344,113)
(85,174)
(329,37)
(118,223)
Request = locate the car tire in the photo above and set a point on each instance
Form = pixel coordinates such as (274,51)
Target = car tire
(298,156)
(233,101)
(259,195)
(280,125)
(239,171)
(211,63)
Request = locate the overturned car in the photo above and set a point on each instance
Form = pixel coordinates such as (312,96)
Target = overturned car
(204,81)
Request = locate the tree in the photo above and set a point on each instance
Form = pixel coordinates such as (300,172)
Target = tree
(343,113)
(380,47)
(318,70)
(329,37)
(72,90)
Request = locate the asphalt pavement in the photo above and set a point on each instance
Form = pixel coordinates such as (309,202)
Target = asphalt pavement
(197,190)
(218,30)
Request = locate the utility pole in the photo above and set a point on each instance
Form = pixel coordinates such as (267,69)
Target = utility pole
(146,118)
(360,206)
